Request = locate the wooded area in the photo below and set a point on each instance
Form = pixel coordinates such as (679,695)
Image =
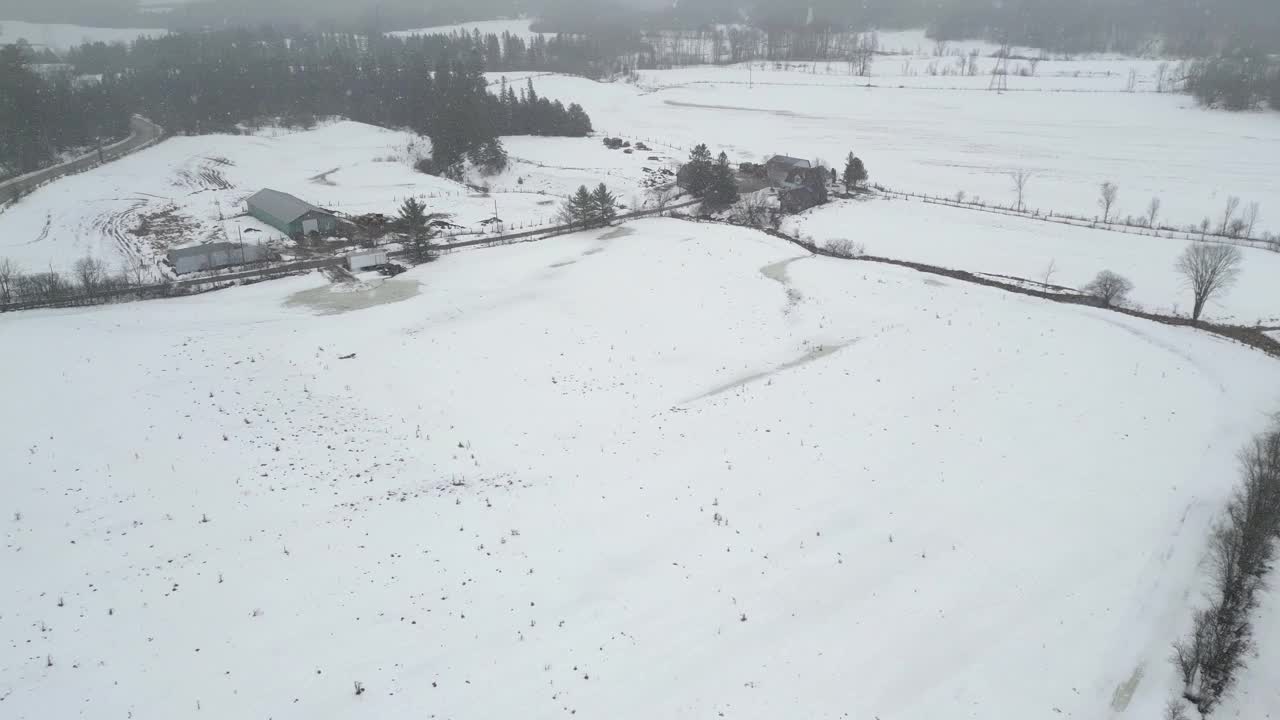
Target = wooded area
(218,81)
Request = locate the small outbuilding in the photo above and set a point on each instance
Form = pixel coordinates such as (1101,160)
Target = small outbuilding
(365,259)
(212,256)
(291,216)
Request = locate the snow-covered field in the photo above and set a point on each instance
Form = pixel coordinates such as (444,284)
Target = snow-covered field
(56,36)
(519,28)
(1024,248)
(667,470)
(191,189)
(941,141)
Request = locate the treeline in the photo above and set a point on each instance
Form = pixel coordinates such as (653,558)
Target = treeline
(300,15)
(1182,27)
(591,56)
(1239,80)
(216,81)
(1241,551)
(42,116)
(90,281)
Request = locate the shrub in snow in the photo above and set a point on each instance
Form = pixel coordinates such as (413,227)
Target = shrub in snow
(843,248)
(1109,288)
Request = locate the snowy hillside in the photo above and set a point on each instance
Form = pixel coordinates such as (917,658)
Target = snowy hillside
(59,37)
(659,471)
(191,189)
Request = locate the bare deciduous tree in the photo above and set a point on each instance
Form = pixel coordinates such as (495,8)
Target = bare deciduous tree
(662,197)
(1251,218)
(90,272)
(753,211)
(1109,288)
(9,272)
(1153,210)
(1049,271)
(1020,179)
(1233,203)
(1208,269)
(1175,710)
(1107,199)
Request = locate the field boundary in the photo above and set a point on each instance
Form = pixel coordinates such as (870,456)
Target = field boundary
(1081,222)
(1254,337)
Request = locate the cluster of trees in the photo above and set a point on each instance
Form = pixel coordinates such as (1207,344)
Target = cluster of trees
(214,81)
(589,208)
(1241,550)
(1237,80)
(42,116)
(712,180)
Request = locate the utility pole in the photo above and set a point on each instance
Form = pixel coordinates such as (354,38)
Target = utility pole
(1000,75)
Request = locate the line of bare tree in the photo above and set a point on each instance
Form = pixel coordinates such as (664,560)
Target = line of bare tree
(90,281)
(1241,549)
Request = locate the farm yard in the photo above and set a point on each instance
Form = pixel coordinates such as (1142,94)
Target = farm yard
(189,190)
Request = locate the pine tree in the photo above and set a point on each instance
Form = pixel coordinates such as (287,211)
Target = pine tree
(698,170)
(579,209)
(490,157)
(855,173)
(413,216)
(722,189)
(603,205)
(420,226)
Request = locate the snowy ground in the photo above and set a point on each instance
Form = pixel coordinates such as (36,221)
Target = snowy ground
(1024,248)
(191,189)
(666,470)
(956,138)
(56,36)
(518,28)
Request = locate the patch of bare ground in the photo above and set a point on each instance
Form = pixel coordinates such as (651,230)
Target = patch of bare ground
(165,227)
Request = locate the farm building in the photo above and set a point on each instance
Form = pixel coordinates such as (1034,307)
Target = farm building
(290,215)
(363,259)
(800,186)
(212,256)
(779,167)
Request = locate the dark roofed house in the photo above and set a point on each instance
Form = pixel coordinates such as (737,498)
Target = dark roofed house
(290,215)
(780,167)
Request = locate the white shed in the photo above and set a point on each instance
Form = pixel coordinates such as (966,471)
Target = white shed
(364,259)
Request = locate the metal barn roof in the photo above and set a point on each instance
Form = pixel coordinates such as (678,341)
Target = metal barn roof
(788,162)
(204,249)
(282,206)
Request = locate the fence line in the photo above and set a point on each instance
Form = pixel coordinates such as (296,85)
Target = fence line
(185,285)
(1076,221)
